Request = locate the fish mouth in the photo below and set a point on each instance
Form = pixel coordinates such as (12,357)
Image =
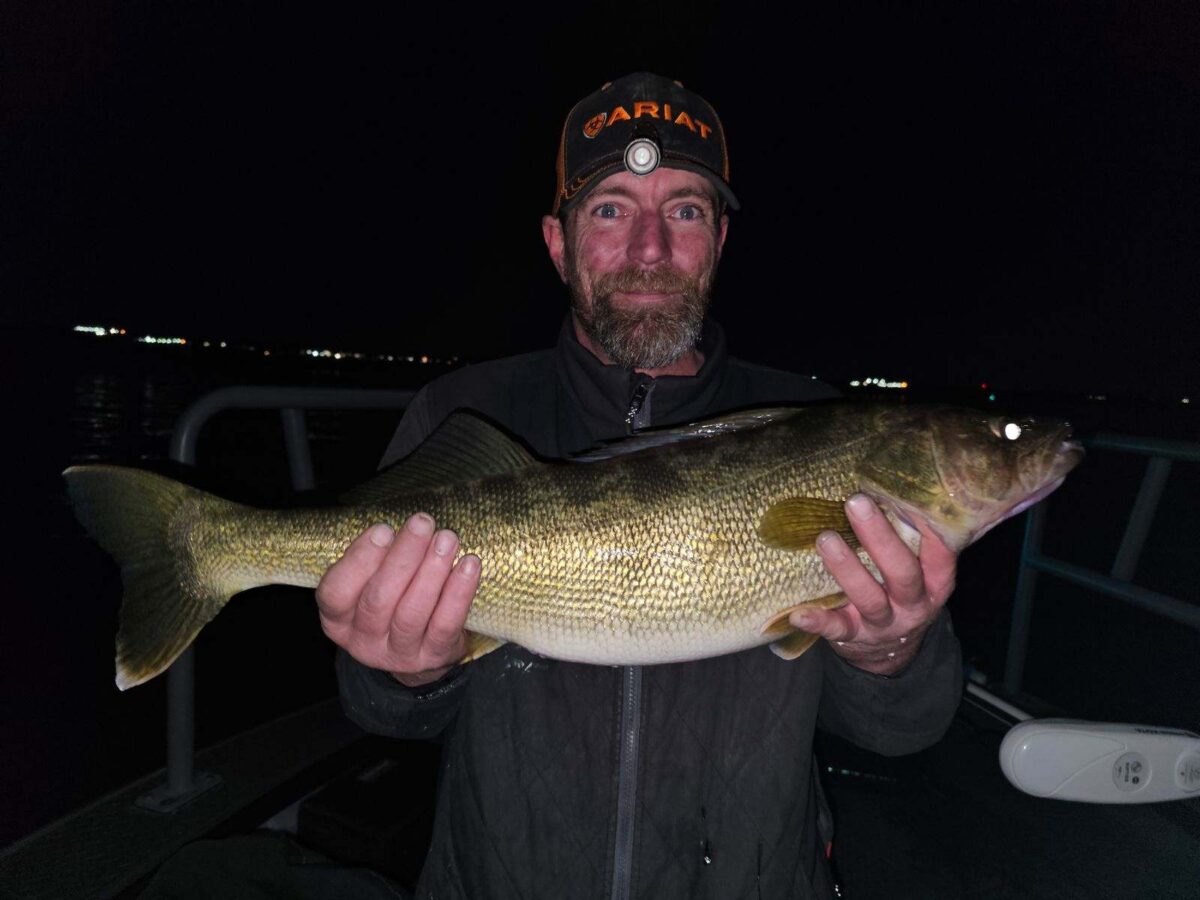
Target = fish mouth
(1017,508)
(1069,454)
(1037,496)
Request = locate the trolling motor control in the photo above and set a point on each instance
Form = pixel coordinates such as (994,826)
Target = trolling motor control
(1101,762)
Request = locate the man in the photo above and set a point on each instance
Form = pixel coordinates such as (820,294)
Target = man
(687,780)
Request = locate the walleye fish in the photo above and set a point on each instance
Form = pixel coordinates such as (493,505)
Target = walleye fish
(672,545)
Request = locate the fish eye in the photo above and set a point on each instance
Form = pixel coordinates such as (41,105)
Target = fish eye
(1001,428)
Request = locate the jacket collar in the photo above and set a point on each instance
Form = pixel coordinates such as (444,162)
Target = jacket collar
(602,393)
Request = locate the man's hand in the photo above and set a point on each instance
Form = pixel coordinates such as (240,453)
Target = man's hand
(881,628)
(396,601)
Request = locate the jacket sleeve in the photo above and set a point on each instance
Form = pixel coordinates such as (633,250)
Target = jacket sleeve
(372,699)
(897,714)
(378,703)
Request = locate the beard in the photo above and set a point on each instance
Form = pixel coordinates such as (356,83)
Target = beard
(642,336)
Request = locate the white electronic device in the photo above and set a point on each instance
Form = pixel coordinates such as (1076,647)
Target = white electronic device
(1101,762)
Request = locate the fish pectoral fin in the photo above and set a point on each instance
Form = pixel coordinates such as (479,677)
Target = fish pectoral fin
(794,523)
(794,645)
(779,624)
(479,645)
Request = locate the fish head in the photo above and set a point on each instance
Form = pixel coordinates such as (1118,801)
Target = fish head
(961,472)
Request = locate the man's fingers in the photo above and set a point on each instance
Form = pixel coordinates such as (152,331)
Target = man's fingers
(411,618)
(831,624)
(897,564)
(940,567)
(862,590)
(443,637)
(378,599)
(343,582)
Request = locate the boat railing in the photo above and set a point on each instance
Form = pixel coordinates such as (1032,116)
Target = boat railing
(183,782)
(1118,583)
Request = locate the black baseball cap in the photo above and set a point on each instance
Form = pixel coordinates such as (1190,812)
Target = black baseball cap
(682,126)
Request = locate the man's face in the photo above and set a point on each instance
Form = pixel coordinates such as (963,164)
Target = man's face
(639,256)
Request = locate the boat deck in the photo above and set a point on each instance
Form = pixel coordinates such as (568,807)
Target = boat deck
(944,823)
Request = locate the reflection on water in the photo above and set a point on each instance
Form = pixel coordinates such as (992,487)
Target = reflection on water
(162,402)
(96,418)
(124,408)
(124,417)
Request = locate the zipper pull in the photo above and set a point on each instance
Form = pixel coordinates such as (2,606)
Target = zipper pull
(635,405)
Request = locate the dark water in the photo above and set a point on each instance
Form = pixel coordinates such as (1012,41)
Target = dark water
(69,735)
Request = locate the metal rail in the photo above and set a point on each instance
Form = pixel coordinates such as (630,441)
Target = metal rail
(183,782)
(1117,584)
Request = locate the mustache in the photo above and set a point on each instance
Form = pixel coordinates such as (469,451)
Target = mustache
(640,281)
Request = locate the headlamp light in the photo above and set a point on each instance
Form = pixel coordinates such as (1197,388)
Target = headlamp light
(643,153)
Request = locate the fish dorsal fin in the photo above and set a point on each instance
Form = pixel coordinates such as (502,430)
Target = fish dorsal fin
(464,447)
(662,437)
(794,523)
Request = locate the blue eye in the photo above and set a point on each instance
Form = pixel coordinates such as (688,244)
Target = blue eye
(606,211)
(690,212)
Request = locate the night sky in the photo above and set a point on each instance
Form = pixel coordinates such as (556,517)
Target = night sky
(946,194)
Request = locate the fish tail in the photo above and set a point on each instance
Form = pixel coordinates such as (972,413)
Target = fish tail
(148,524)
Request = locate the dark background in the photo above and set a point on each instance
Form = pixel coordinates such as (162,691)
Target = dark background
(955,192)
(949,195)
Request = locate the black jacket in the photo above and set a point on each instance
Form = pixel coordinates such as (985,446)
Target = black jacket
(690,780)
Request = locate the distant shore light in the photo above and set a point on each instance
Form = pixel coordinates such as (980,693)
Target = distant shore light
(151,339)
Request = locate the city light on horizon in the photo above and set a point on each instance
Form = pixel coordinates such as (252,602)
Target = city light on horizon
(211,345)
(337,355)
(879,383)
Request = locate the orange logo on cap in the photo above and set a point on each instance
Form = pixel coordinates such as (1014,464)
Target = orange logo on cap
(592,126)
(650,109)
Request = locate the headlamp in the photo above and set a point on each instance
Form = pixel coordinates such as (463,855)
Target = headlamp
(643,153)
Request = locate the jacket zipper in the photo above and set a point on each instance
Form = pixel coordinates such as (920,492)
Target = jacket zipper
(627,770)
(631,706)
(638,416)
